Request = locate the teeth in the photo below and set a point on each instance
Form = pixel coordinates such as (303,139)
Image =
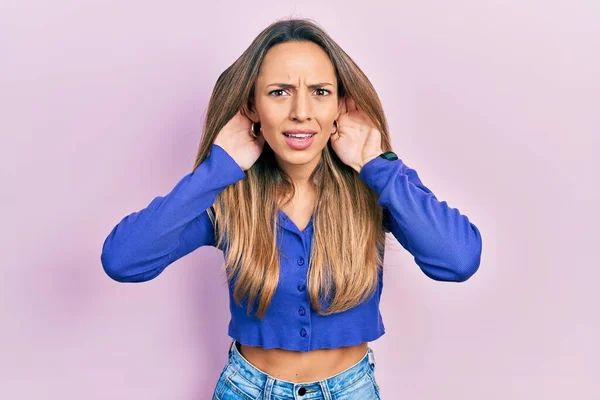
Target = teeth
(303,136)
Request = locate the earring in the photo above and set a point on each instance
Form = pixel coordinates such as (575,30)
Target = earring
(336,127)
(252,130)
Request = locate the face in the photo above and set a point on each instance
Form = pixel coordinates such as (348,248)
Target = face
(296,93)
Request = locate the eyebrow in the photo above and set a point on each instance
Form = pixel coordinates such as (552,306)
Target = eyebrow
(289,85)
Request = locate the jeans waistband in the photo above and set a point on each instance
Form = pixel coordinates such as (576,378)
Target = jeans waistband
(330,385)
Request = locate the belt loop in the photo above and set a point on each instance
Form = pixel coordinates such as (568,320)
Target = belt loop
(325,390)
(268,389)
(371,358)
(231,346)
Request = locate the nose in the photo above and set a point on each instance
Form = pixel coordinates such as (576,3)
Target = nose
(301,107)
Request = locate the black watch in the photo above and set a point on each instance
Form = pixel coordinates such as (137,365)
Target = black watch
(389,155)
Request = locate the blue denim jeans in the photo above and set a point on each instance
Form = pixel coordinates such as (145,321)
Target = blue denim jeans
(241,380)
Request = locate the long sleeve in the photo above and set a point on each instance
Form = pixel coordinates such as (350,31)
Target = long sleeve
(444,243)
(145,242)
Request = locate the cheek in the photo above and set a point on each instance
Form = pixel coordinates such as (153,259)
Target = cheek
(269,128)
(324,136)
(272,134)
(271,119)
(327,126)
(326,113)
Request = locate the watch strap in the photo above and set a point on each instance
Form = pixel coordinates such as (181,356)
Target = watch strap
(389,155)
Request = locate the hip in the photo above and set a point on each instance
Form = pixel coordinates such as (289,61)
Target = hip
(240,379)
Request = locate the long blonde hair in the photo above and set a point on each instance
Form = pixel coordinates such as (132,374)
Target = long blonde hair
(349,238)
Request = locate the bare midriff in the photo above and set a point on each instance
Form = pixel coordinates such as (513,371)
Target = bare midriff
(299,367)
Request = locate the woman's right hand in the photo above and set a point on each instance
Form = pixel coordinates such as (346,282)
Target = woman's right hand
(235,138)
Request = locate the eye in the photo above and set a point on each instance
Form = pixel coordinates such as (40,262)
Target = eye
(272,93)
(323,90)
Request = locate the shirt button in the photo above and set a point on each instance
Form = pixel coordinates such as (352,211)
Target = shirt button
(301,261)
(303,332)
(301,287)
(301,311)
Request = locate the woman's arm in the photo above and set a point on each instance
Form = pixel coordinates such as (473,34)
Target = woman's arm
(445,244)
(145,242)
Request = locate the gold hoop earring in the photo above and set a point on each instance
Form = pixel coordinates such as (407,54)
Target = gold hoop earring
(253,132)
(336,127)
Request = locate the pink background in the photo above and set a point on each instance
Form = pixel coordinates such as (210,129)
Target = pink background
(494,103)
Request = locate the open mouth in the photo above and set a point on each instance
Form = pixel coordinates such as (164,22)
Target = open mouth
(299,140)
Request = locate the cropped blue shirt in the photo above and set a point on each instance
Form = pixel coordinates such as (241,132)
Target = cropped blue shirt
(444,243)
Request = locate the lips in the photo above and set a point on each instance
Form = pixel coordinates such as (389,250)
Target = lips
(299,139)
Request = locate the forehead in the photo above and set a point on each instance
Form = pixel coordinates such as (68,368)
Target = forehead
(294,60)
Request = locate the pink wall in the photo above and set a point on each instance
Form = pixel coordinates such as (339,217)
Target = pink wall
(494,103)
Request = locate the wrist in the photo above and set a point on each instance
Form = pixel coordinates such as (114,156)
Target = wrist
(366,160)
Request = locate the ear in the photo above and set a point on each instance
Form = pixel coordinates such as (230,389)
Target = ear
(341,107)
(249,111)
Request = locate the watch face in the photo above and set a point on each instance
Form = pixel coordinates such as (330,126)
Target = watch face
(389,155)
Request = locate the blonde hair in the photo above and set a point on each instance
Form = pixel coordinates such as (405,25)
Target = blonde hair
(348,241)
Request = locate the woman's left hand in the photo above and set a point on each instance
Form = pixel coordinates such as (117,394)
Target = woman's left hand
(357,140)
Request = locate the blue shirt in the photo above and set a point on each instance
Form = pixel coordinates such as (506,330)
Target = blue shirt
(444,243)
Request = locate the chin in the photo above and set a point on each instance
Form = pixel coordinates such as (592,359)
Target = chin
(297,157)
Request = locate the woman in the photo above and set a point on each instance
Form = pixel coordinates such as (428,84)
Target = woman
(296,182)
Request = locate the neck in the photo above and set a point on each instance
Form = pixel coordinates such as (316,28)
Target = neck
(300,173)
